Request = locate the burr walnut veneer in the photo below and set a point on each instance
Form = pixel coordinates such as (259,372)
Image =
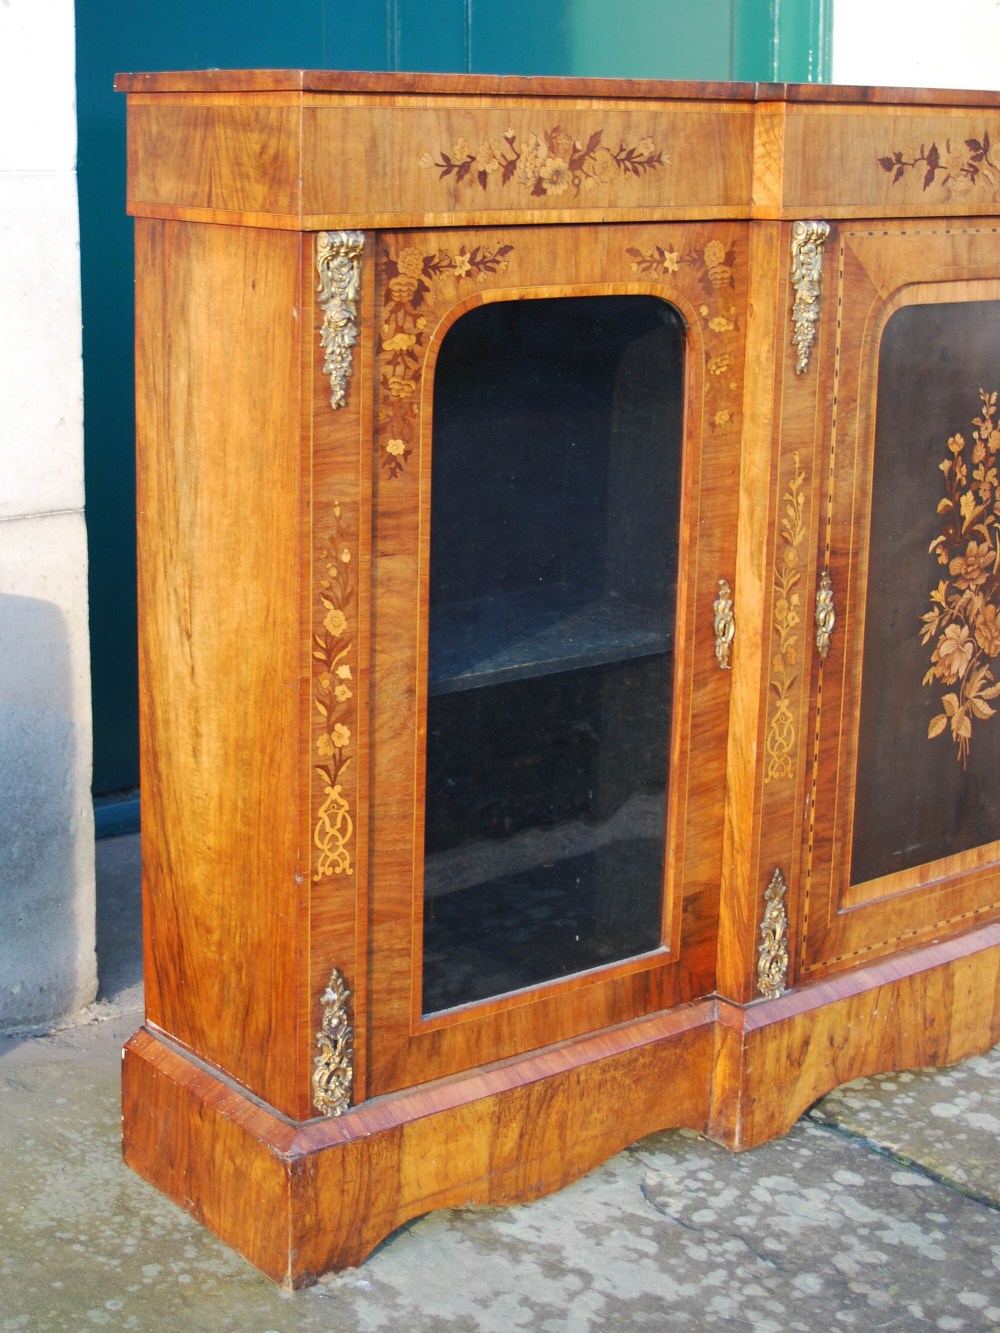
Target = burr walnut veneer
(569,546)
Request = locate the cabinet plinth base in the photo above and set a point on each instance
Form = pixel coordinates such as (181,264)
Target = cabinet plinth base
(299,1200)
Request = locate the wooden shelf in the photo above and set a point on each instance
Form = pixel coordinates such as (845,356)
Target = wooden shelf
(537,632)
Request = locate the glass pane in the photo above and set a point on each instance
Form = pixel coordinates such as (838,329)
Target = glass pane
(929,750)
(555,505)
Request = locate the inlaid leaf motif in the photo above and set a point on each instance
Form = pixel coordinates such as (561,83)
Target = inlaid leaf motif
(957,169)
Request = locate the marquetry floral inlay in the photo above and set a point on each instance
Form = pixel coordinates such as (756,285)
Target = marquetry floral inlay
(785,628)
(956,168)
(711,267)
(408,317)
(964,620)
(333,690)
(546,164)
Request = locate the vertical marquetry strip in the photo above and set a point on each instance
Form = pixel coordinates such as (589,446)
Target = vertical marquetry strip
(781,740)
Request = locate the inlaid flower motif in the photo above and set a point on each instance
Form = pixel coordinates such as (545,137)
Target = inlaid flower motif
(407,311)
(410,262)
(488,156)
(555,175)
(963,623)
(335,622)
(328,743)
(954,653)
(719,272)
(970,569)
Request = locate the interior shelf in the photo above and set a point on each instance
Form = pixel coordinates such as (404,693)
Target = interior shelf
(536,632)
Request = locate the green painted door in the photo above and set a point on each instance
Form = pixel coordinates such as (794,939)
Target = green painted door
(717,39)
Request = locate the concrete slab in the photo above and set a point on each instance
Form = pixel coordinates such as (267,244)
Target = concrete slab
(945,1121)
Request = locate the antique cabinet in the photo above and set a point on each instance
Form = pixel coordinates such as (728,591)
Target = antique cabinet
(569,549)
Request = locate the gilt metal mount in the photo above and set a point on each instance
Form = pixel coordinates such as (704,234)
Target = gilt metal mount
(338,263)
(808,239)
(723,625)
(826,616)
(333,1068)
(772,952)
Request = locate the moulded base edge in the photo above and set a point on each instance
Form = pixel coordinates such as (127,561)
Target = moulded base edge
(300,1200)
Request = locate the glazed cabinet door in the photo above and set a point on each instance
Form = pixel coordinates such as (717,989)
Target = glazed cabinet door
(555,479)
(903,839)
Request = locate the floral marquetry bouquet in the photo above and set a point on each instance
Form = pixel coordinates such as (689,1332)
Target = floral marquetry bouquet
(964,620)
(546,164)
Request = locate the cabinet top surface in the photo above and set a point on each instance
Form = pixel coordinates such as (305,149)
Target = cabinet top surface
(495,85)
(311,149)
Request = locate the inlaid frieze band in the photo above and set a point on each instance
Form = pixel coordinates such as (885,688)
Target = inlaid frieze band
(338,262)
(808,239)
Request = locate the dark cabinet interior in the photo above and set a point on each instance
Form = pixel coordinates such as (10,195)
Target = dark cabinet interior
(557,431)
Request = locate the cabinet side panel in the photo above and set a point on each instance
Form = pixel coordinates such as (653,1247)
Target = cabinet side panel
(218,502)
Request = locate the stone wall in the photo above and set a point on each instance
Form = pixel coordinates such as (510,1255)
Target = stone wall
(47,961)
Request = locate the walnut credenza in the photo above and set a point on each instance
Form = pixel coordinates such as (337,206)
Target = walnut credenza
(570,618)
